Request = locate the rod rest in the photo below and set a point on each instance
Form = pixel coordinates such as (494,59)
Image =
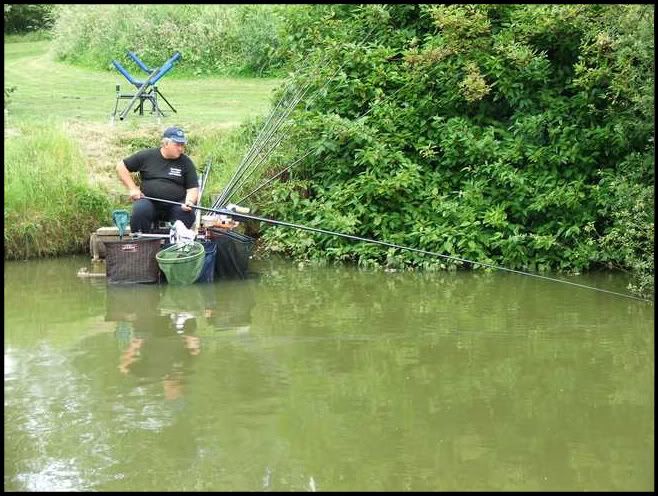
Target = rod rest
(166,67)
(127,75)
(138,61)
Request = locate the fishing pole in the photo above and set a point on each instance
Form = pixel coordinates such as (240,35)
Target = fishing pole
(357,119)
(261,141)
(265,136)
(274,177)
(242,216)
(202,185)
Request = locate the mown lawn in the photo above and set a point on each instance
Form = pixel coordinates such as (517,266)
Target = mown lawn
(46,88)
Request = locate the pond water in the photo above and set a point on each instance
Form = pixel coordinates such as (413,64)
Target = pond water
(323,379)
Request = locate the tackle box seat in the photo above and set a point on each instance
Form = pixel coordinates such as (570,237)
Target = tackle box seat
(111,233)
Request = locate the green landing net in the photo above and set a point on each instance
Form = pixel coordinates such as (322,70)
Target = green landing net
(181,263)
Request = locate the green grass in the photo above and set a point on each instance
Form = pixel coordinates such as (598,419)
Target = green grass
(30,36)
(46,88)
(49,204)
(61,147)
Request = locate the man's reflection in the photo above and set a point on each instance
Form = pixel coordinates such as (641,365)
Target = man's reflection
(157,330)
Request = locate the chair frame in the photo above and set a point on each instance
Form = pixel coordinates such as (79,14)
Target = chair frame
(146,91)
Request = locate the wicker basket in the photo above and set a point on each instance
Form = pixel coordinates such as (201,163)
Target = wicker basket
(132,261)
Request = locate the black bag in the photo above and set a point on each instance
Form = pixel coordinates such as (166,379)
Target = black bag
(233,253)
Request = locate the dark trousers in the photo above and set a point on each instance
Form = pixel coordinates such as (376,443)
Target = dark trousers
(147,213)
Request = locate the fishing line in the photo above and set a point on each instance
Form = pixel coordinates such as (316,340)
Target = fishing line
(233,214)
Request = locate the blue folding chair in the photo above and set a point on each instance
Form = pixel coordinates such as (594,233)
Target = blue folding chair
(146,90)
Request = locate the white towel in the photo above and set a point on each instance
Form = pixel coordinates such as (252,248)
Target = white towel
(180,234)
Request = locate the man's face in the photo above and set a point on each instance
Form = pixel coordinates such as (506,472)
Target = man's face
(173,149)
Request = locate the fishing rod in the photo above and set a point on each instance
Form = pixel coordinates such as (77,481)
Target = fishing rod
(274,177)
(357,119)
(264,137)
(232,213)
(202,185)
(261,142)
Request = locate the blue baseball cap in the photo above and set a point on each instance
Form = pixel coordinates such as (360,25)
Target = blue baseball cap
(175,134)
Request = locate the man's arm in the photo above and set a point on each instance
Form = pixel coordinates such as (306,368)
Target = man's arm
(191,197)
(127,180)
(130,355)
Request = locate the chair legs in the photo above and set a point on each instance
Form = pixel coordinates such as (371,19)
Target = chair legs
(146,91)
(150,96)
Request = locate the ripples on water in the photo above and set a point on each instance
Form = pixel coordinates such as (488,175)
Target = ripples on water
(325,379)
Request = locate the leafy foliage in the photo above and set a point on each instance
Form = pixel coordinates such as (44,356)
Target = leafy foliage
(505,134)
(24,18)
(213,39)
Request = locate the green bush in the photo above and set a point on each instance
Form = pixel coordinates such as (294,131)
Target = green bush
(24,18)
(627,196)
(485,132)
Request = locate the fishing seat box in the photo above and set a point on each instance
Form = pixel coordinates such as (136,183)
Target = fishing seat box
(97,241)
(103,234)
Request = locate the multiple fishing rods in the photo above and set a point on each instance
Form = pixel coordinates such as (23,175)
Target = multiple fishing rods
(276,122)
(263,145)
(278,174)
(243,216)
(267,140)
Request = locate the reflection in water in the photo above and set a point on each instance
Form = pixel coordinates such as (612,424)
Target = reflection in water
(156,329)
(326,379)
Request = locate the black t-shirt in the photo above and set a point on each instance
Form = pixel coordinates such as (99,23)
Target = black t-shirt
(162,177)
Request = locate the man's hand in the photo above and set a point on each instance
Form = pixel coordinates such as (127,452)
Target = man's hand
(135,194)
(187,206)
(124,174)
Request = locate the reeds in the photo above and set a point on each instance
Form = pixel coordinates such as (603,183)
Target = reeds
(226,40)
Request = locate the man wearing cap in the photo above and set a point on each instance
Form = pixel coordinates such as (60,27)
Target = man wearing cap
(165,173)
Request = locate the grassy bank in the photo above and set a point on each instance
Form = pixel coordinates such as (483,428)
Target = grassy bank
(50,206)
(61,149)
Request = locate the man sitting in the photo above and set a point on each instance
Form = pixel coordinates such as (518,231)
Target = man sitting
(165,173)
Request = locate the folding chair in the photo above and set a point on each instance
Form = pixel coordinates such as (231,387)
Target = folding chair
(146,90)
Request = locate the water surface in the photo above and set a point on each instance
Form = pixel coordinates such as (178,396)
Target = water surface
(325,379)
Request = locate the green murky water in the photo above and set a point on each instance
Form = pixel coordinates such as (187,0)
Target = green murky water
(325,379)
